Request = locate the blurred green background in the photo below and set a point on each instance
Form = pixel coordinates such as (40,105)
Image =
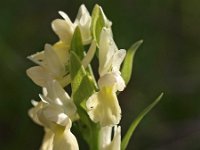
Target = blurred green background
(168,61)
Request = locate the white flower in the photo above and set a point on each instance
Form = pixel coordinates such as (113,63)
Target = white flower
(55,112)
(59,139)
(57,127)
(103,107)
(65,28)
(64,139)
(59,48)
(105,138)
(52,66)
(56,106)
(110,59)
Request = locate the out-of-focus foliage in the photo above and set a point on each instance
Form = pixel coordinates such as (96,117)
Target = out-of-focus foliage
(167,61)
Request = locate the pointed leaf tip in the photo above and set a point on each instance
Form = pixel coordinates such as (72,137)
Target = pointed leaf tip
(136,122)
(77,44)
(98,22)
(128,62)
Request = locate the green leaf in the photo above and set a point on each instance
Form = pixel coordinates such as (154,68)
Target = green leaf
(126,70)
(135,123)
(82,84)
(77,44)
(78,48)
(82,88)
(98,22)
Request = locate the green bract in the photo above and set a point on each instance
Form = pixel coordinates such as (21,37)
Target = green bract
(99,21)
(128,62)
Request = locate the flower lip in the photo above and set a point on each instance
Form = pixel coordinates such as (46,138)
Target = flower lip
(103,107)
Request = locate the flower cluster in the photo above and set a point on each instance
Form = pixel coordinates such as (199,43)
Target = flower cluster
(92,108)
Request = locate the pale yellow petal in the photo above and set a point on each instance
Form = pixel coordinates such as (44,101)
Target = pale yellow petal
(47,143)
(39,75)
(60,97)
(113,80)
(65,16)
(33,112)
(118,59)
(62,51)
(37,57)
(105,137)
(107,50)
(52,62)
(65,140)
(55,114)
(83,21)
(116,141)
(103,107)
(90,54)
(63,29)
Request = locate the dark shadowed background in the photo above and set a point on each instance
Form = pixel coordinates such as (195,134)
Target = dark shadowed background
(168,61)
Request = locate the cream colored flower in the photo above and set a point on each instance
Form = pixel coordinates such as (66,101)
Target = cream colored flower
(52,66)
(59,139)
(54,113)
(105,138)
(64,139)
(110,59)
(57,127)
(103,107)
(65,28)
(56,106)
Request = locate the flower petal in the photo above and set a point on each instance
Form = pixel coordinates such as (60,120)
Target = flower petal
(87,59)
(83,20)
(47,143)
(62,51)
(107,48)
(39,75)
(52,62)
(118,59)
(64,29)
(116,141)
(33,112)
(105,137)
(37,57)
(59,97)
(65,140)
(113,80)
(53,114)
(65,16)
(103,107)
